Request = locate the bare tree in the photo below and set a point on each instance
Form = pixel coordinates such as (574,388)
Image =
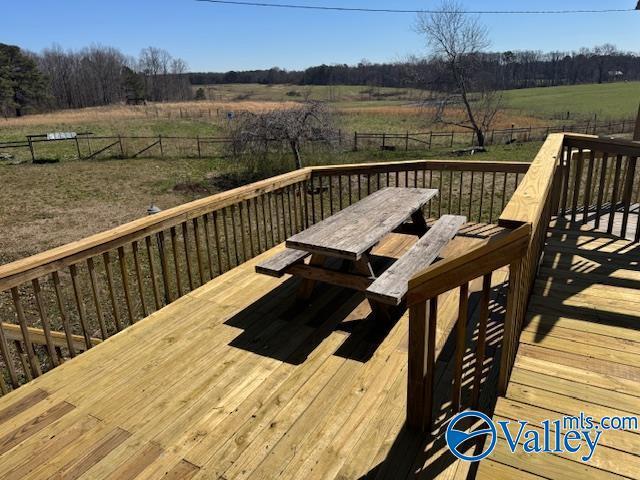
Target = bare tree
(458,39)
(257,133)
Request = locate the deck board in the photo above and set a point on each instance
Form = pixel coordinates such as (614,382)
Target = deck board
(579,352)
(238,380)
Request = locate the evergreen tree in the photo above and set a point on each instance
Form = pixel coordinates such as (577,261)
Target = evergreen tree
(21,83)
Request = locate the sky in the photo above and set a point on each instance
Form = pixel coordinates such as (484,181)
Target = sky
(213,37)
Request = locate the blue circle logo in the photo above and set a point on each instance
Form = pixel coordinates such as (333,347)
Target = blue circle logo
(456,437)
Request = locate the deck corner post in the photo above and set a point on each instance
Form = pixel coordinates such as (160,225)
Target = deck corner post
(512,324)
(421,362)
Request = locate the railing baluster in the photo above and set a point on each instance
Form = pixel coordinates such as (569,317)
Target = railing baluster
(601,188)
(112,294)
(239,249)
(321,192)
(96,297)
(75,282)
(8,358)
(44,319)
(30,353)
(482,339)
(264,222)
(274,230)
(614,194)
(291,208)
(283,211)
(566,170)
(196,235)
(493,194)
(227,243)
(481,197)
(136,263)
(461,344)
(257,223)
(279,238)
(216,230)
(249,230)
(628,192)
(330,195)
(152,273)
(504,191)
(460,192)
(587,190)
(440,172)
(176,265)
(450,191)
(164,267)
(185,243)
(576,186)
(471,195)
(125,284)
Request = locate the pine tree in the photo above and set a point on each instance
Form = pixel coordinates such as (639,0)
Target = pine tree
(22,86)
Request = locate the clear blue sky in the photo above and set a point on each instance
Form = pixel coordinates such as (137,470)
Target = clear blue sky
(224,37)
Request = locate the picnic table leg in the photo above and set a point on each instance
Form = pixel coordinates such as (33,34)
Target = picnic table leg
(307,285)
(381,311)
(419,222)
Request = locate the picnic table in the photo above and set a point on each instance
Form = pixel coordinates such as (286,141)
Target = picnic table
(348,237)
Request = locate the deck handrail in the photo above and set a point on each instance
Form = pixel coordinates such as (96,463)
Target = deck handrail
(526,217)
(97,286)
(19,271)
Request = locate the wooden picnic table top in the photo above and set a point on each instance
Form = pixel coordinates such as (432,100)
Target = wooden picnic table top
(355,230)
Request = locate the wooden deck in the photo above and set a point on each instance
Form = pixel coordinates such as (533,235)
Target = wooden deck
(580,352)
(235,380)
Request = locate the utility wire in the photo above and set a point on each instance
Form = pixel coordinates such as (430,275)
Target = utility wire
(394,10)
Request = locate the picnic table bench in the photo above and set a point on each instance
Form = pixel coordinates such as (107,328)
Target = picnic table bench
(351,234)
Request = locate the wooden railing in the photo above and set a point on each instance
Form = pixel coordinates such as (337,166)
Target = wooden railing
(599,178)
(91,289)
(574,178)
(526,217)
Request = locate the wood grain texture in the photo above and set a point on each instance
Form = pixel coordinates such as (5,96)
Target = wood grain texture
(356,229)
(277,265)
(392,285)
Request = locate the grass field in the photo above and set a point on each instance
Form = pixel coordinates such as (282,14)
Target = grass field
(49,205)
(607,101)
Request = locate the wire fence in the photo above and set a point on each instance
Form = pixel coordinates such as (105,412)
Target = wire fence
(87,146)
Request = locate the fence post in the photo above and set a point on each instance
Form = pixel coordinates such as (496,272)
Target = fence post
(78,148)
(198,141)
(33,155)
(406,142)
(451,139)
(511,133)
(430,138)
(384,136)
(355,141)
(160,142)
(121,147)
(493,134)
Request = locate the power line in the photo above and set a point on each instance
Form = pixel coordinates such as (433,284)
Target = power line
(394,10)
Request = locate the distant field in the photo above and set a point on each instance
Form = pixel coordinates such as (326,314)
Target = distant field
(610,100)
(62,202)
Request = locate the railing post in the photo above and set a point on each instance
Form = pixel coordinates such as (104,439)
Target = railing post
(512,322)
(421,358)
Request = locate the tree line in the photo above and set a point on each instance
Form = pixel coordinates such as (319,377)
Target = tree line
(506,70)
(93,76)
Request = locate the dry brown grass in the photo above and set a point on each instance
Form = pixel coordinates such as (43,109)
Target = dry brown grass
(44,206)
(127,112)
